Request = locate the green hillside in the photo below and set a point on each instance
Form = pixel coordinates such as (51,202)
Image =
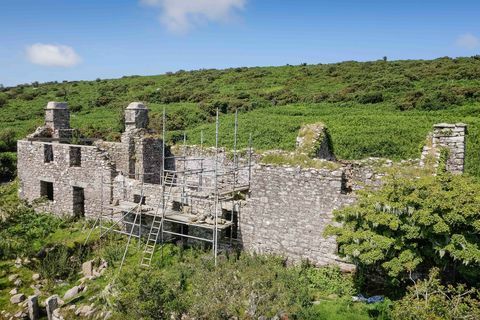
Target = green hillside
(381,109)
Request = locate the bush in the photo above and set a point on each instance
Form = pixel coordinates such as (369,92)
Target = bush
(3,100)
(411,225)
(370,97)
(241,286)
(429,299)
(8,142)
(8,166)
(75,108)
(330,281)
(113,253)
(23,230)
(56,264)
(150,295)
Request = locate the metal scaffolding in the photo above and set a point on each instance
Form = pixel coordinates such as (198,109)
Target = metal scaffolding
(199,188)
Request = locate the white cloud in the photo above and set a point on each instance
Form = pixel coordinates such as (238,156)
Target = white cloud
(179,16)
(52,55)
(468,41)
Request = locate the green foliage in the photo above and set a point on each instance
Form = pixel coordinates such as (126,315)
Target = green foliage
(242,285)
(379,109)
(330,281)
(113,253)
(345,309)
(414,224)
(57,264)
(429,299)
(7,140)
(8,165)
(297,159)
(3,100)
(23,230)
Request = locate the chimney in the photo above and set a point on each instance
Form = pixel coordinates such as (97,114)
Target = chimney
(57,118)
(136,116)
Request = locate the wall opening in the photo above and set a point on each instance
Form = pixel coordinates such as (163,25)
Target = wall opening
(177,206)
(75,156)
(231,232)
(78,202)
(47,153)
(139,199)
(46,190)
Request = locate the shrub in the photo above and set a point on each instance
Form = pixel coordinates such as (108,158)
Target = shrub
(113,253)
(370,97)
(23,230)
(429,299)
(56,264)
(102,101)
(75,108)
(412,225)
(241,286)
(8,166)
(7,140)
(330,280)
(3,100)
(411,100)
(150,295)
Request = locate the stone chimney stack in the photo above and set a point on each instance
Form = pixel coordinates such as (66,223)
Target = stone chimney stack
(136,116)
(57,118)
(57,115)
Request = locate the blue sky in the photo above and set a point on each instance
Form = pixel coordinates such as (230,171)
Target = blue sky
(84,39)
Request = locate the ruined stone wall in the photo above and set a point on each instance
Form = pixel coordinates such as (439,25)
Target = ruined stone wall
(288,210)
(32,169)
(452,138)
(118,153)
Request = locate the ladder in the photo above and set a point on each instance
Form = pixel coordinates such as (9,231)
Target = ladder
(157,222)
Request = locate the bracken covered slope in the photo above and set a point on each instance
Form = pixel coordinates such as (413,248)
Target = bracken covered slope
(380,108)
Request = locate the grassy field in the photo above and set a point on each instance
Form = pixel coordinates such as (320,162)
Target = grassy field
(381,109)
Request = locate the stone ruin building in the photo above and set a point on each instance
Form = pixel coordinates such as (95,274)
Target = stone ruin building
(145,189)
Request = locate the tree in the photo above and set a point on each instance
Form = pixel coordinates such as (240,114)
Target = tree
(414,224)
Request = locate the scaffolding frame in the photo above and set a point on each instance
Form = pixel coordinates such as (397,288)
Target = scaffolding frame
(213,194)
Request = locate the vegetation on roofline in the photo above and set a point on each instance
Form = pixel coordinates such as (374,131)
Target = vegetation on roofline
(372,109)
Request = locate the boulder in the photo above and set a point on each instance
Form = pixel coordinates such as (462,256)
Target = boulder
(84,311)
(71,293)
(74,291)
(87,268)
(17,283)
(36,277)
(13,292)
(20,315)
(13,277)
(57,315)
(18,263)
(36,289)
(16,299)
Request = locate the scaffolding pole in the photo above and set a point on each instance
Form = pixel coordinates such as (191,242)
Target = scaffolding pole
(183,187)
(215,236)
(163,175)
